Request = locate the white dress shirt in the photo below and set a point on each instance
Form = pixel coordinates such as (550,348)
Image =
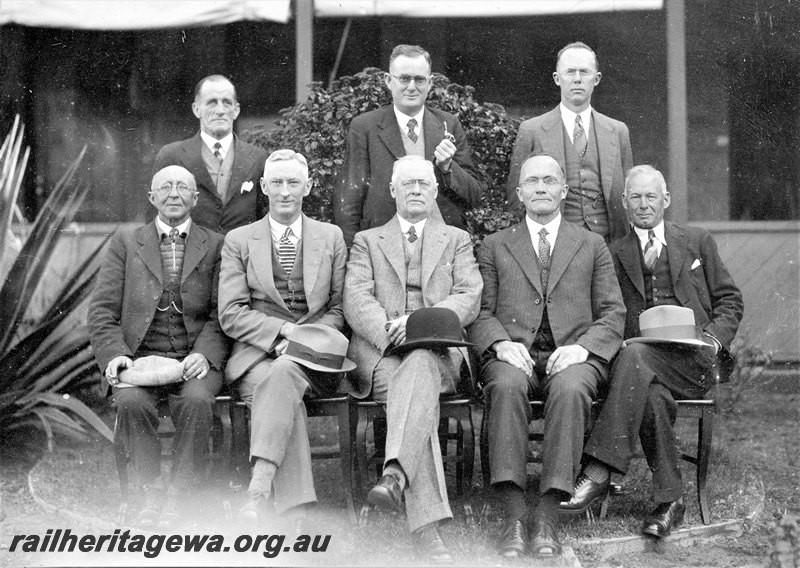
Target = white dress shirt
(659,232)
(224,142)
(552,231)
(164,229)
(402,121)
(278,229)
(568,118)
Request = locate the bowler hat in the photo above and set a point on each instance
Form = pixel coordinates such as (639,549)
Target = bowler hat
(318,347)
(669,324)
(430,328)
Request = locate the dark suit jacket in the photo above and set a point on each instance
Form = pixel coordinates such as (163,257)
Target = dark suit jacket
(374,143)
(584,304)
(707,289)
(129,287)
(240,208)
(545,133)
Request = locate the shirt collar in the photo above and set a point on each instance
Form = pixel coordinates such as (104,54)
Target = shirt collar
(568,117)
(418,226)
(402,119)
(658,230)
(278,229)
(225,142)
(552,227)
(164,229)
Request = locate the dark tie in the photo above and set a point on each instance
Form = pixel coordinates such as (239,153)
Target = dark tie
(544,256)
(412,125)
(286,251)
(651,250)
(412,234)
(579,137)
(218,152)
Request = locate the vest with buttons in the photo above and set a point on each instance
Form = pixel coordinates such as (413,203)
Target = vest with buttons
(658,289)
(413,255)
(290,286)
(167,331)
(220,173)
(585,204)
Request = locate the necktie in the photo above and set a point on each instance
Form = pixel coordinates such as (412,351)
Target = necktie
(579,137)
(218,152)
(286,251)
(544,256)
(412,134)
(173,236)
(651,250)
(412,234)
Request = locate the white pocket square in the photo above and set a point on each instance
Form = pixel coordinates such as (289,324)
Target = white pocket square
(696,263)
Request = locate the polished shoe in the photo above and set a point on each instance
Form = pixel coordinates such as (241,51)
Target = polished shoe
(170,517)
(148,515)
(429,546)
(585,494)
(387,494)
(544,541)
(254,511)
(660,522)
(513,540)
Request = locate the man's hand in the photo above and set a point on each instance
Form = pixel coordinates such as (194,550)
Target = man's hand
(397,330)
(443,155)
(514,354)
(565,356)
(280,348)
(114,367)
(195,366)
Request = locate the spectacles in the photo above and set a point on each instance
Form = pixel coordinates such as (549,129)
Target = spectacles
(549,181)
(411,183)
(166,188)
(584,73)
(419,80)
(276,183)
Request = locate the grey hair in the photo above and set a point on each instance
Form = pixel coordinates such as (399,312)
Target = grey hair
(412,158)
(283,155)
(646,169)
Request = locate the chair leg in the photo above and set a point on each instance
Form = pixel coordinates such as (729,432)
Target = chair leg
(361,452)
(226,447)
(468,456)
(121,459)
(240,444)
(346,459)
(704,435)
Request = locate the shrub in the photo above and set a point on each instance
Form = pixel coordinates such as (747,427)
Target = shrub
(317,128)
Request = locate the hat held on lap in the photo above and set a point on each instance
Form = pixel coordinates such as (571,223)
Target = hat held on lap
(430,328)
(669,324)
(320,348)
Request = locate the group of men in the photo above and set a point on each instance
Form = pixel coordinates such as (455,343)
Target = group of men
(551,307)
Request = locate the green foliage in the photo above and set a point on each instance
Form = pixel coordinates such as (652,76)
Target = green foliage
(318,127)
(41,364)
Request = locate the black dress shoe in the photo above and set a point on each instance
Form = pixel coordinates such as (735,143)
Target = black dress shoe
(429,546)
(387,494)
(513,540)
(660,522)
(544,541)
(585,494)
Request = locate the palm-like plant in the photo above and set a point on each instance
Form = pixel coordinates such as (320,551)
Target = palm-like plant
(42,364)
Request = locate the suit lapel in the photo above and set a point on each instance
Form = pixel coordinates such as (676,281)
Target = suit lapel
(389,132)
(568,241)
(149,250)
(629,258)
(193,158)
(260,249)
(391,244)
(435,243)
(553,140)
(433,131)
(313,245)
(196,249)
(520,247)
(676,252)
(243,162)
(607,149)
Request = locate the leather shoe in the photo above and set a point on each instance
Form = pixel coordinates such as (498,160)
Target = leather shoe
(387,494)
(513,540)
(429,546)
(544,540)
(660,522)
(585,494)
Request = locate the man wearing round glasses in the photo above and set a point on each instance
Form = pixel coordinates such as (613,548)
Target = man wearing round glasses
(406,127)
(593,149)
(154,310)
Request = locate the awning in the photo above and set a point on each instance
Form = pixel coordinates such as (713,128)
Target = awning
(139,15)
(474,8)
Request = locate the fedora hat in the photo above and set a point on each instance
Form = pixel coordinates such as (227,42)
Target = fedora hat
(318,347)
(430,328)
(669,324)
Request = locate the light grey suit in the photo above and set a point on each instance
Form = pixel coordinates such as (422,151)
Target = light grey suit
(375,292)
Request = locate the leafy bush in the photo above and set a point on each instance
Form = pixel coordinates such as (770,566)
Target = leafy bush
(318,127)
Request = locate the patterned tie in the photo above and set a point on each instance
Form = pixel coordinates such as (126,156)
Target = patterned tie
(412,234)
(218,152)
(412,134)
(173,236)
(544,256)
(579,137)
(651,250)
(286,251)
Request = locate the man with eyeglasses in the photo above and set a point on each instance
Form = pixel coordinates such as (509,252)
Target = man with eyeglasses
(406,127)
(278,274)
(414,261)
(593,149)
(154,311)
(551,320)
(226,168)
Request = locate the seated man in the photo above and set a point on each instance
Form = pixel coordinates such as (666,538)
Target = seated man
(281,272)
(411,262)
(156,297)
(658,264)
(551,320)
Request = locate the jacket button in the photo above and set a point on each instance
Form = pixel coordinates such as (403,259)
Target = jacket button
(536,301)
(155,297)
(147,320)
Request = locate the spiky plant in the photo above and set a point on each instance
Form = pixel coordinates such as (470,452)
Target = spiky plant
(43,361)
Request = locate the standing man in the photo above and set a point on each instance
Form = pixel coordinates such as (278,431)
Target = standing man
(413,261)
(279,274)
(227,169)
(550,322)
(593,149)
(407,127)
(658,264)
(156,295)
